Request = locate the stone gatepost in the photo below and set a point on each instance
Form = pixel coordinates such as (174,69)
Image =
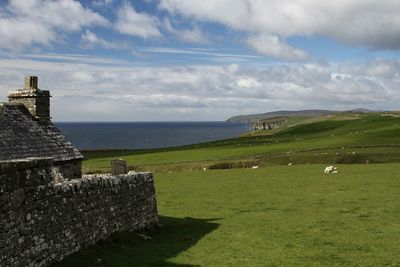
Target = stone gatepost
(119,166)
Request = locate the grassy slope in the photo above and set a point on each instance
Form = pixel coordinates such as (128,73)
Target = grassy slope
(290,121)
(275,216)
(365,131)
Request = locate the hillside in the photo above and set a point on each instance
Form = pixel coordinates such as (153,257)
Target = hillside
(372,136)
(248,119)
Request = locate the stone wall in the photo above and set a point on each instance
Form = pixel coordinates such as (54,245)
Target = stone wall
(67,170)
(42,221)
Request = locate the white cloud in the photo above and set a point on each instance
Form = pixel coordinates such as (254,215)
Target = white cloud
(101,3)
(69,58)
(198,52)
(271,45)
(87,90)
(42,22)
(193,35)
(247,83)
(91,39)
(137,24)
(374,24)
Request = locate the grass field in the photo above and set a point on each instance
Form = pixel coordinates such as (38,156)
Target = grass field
(374,137)
(276,215)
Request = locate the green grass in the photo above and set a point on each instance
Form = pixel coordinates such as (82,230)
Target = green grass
(274,216)
(365,131)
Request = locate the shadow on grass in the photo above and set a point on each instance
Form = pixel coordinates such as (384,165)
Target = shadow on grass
(129,249)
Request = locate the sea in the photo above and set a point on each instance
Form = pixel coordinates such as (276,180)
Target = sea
(146,135)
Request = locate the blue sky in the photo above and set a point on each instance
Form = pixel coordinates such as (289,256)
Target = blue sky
(169,60)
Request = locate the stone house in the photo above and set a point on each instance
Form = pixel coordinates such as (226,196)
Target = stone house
(26,131)
(48,210)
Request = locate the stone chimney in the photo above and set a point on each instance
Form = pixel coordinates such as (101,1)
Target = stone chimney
(35,100)
(31,82)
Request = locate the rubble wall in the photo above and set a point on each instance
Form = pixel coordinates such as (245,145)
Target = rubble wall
(42,221)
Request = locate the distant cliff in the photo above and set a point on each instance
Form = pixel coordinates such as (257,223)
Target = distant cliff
(248,119)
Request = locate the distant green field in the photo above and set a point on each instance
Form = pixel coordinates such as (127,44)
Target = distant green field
(273,216)
(378,135)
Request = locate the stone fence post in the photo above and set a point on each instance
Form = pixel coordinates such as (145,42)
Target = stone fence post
(119,166)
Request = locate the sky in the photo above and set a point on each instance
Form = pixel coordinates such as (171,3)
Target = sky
(201,60)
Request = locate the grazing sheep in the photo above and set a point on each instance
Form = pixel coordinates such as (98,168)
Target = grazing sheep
(254,167)
(331,169)
(290,164)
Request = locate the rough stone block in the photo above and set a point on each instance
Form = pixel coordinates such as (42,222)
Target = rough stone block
(119,166)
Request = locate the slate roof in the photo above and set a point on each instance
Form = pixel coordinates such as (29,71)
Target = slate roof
(22,136)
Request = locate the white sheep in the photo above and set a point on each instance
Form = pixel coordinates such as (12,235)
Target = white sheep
(331,169)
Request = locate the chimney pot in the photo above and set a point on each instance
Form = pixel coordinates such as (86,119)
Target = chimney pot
(31,82)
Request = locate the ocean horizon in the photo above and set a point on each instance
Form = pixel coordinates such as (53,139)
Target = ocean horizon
(147,135)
